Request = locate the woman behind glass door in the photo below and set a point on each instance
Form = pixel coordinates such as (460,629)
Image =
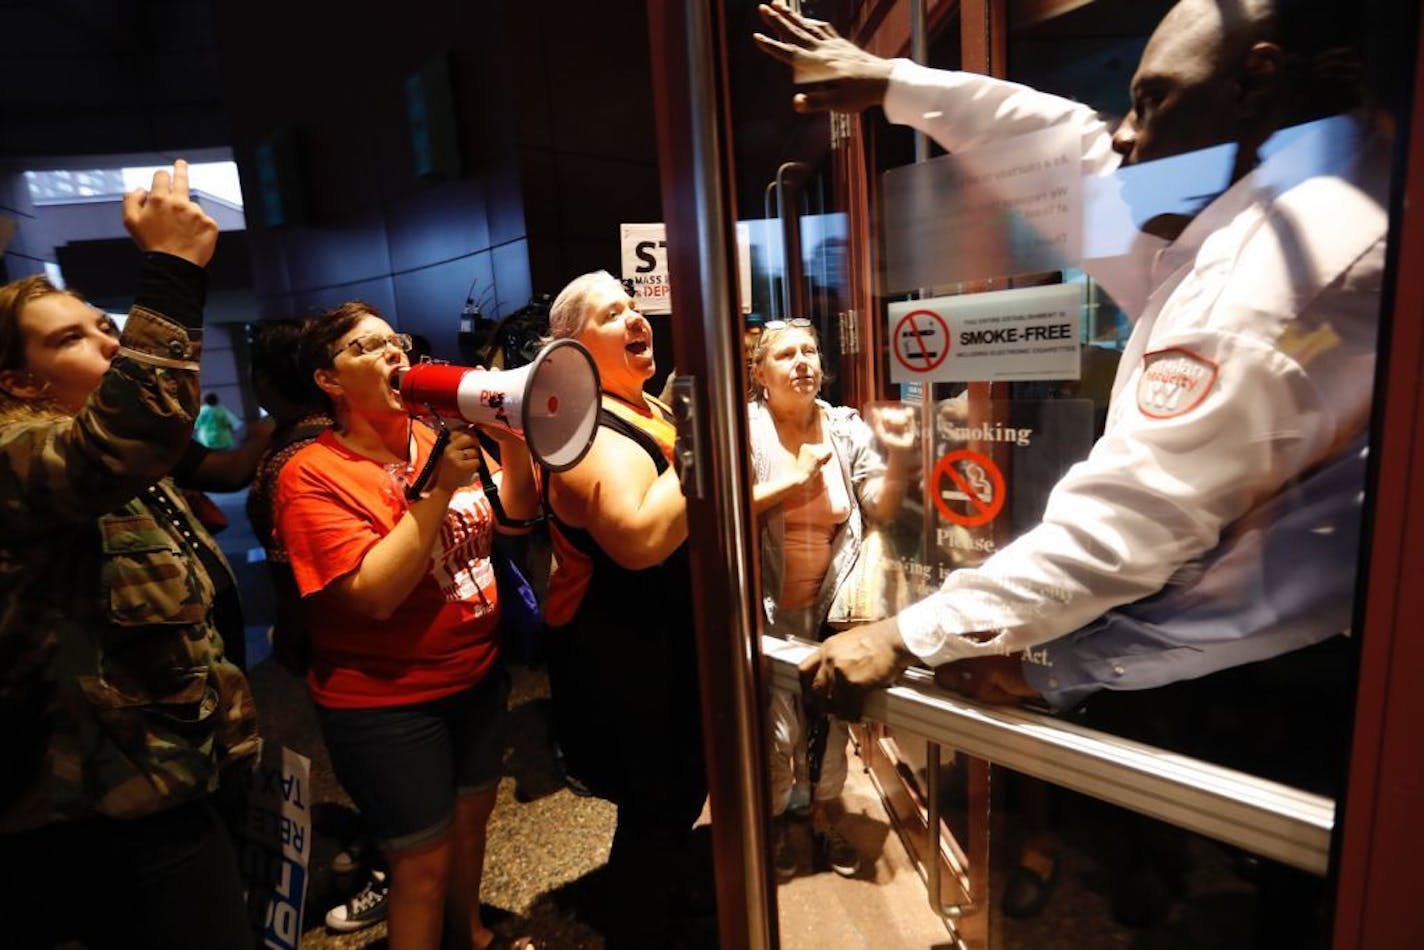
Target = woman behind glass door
(818,477)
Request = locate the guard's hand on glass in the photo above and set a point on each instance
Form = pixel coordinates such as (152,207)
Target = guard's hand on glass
(834,72)
(849,664)
(989,679)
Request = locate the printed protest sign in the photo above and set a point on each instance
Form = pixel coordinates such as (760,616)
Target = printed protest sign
(276,845)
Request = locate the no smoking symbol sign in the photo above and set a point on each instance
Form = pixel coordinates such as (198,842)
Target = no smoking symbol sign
(921,340)
(973,482)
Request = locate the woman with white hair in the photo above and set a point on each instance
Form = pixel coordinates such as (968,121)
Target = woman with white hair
(622,663)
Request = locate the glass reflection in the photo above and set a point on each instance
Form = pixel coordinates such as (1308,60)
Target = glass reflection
(1170,554)
(1255,309)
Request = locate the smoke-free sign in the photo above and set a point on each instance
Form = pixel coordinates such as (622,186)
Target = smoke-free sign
(1023,334)
(921,341)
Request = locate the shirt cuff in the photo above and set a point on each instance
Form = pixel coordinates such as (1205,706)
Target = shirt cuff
(1056,683)
(912,91)
(920,630)
(151,337)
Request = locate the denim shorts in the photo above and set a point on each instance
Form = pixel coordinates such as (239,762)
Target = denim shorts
(404,766)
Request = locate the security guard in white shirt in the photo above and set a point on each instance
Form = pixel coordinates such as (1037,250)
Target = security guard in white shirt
(1251,361)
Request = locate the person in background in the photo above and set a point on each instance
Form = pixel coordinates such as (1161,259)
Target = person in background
(216,424)
(299,415)
(420,349)
(389,543)
(120,708)
(819,479)
(1247,372)
(622,658)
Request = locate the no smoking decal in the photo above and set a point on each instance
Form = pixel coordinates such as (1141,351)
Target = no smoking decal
(967,488)
(921,341)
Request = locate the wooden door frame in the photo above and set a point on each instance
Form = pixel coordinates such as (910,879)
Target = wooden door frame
(1381,827)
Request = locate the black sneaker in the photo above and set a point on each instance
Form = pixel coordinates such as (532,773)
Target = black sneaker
(367,907)
(783,852)
(835,852)
(577,787)
(570,782)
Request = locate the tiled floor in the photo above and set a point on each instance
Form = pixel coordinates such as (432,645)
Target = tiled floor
(547,846)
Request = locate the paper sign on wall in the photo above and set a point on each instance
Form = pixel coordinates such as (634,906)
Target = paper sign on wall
(1010,207)
(1023,334)
(644,254)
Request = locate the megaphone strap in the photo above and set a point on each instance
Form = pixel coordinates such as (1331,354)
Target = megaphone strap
(442,439)
(487,485)
(491,490)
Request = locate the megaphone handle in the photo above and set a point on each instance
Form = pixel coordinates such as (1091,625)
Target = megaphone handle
(442,439)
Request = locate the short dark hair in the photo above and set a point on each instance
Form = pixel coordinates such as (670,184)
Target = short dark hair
(322,332)
(275,351)
(320,337)
(1308,31)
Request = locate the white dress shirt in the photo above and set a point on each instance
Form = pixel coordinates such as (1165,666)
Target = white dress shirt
(1250,362)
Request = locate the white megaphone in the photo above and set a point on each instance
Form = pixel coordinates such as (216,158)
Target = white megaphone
(552,403)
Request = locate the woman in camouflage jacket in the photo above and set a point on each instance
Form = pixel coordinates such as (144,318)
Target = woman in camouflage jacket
(118,705)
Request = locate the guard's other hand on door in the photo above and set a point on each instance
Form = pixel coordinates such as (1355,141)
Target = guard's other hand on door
(849,664)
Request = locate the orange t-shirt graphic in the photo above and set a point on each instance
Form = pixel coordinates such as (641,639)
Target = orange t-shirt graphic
(461,559)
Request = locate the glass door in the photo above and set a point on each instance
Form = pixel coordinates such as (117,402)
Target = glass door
(1125,384)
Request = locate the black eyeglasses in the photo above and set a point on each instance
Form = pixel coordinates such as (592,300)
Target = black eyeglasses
(372,342)
(800,322)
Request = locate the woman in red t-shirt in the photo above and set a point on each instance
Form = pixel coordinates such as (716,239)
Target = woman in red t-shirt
(402,610)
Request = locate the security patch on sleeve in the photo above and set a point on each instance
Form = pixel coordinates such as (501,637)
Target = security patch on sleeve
(1174,381)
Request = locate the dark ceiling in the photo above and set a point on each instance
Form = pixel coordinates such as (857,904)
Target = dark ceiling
(84,77)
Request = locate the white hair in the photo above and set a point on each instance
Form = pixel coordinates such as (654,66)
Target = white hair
(570,310)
